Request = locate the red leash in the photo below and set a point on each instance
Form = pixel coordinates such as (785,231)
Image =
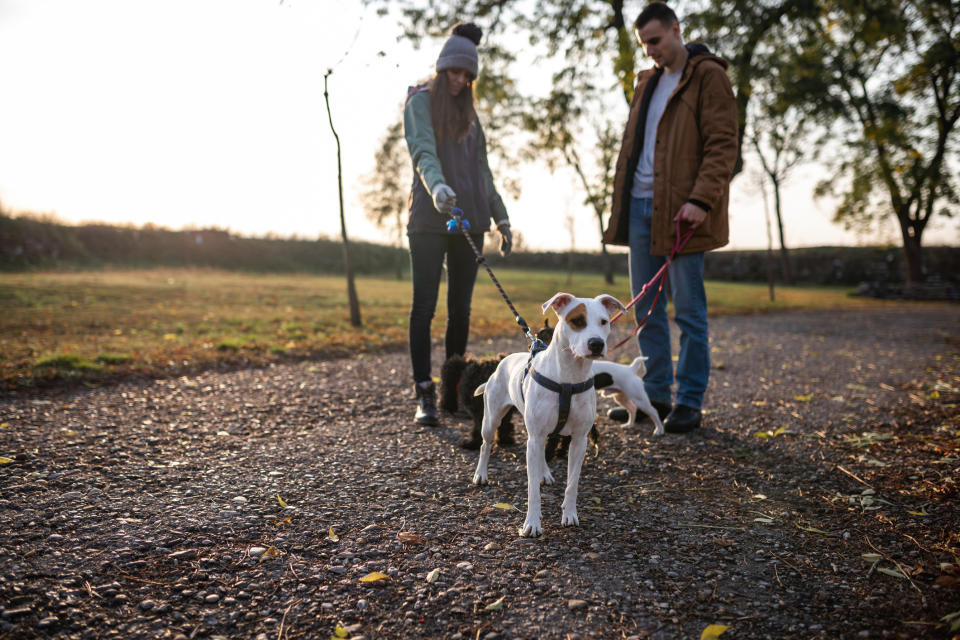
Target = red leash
(661,275)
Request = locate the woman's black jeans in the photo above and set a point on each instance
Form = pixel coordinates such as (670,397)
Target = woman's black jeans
(427,251)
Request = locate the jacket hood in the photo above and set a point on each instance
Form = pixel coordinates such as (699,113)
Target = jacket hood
(700,53)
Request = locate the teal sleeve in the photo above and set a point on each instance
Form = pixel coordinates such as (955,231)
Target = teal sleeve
(497,209)
(418,131)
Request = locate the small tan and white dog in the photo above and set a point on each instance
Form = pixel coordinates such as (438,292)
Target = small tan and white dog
(551,389)
(627,390)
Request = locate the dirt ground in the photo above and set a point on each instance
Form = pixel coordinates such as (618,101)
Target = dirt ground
(819,500)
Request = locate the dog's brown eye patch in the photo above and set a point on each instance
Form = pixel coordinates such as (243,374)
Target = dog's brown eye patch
(577,318)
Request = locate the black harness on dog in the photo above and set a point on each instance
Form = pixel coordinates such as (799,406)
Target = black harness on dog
(565,390)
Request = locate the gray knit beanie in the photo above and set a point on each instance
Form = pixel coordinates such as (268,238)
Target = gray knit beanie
(460,50)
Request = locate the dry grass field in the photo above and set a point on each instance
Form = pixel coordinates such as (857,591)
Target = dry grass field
(95,325)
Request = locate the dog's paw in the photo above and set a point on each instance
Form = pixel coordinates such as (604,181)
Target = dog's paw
(547,476)
(570,518)
(531,529)
(659,430)
(479,479)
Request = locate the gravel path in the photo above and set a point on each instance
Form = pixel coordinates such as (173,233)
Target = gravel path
(153,509)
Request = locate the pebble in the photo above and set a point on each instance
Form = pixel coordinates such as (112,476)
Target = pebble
(573,605)
(146,605)
(212,599)
(71,495)
(240,500)
(256,552)
(465,566)
(362,604)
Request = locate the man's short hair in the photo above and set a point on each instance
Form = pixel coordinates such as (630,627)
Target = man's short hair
(656,11)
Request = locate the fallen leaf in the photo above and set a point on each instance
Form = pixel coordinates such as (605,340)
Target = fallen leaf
(806,398)
(271,552)
(918,513)
(374,576)
(5,460)
(505,506)
(496,606)
(281,501)
(433,575)
(340,632)
(896,573)
(764,520)
(724,542)
(812,530)
(713,631)
(412,538)
(332,536)
(871,557)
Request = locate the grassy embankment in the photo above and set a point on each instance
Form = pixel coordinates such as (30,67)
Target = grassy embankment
(93,326)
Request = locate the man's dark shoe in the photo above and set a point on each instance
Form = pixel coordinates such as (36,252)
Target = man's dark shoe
(682,419)
(619,414)
(426,405)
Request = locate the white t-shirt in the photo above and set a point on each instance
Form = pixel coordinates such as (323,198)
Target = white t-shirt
(643,178)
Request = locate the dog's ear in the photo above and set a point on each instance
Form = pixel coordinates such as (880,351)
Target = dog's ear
(546,322)
(611,304)
(558,302)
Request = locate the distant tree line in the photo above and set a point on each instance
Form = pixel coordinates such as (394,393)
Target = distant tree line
(28,243)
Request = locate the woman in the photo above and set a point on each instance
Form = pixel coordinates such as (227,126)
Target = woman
(449,156)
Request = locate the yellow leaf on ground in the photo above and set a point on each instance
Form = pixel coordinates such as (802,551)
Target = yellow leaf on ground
(918,513)
(281,501)
(373,576)
(713,631)
(505,506)
(340,632)
(332,536)
(271,552)
(496,606)
(806,398)
(5,460)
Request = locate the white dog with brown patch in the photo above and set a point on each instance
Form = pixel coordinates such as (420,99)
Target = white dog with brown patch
(553,391)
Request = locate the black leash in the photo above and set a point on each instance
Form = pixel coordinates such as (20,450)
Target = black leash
(455,222)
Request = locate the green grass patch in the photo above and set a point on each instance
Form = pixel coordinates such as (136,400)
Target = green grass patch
(113,358)
(68,362)
(161,320)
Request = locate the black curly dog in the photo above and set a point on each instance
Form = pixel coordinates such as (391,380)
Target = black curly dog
(459,378)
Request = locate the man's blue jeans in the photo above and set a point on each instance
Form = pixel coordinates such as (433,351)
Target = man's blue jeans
(690,314)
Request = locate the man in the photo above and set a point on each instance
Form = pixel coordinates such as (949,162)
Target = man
(677,154)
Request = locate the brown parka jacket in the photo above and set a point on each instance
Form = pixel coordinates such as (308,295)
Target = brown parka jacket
(696,149)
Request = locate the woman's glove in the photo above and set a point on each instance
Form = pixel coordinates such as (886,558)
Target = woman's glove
(506,238)
(444,199)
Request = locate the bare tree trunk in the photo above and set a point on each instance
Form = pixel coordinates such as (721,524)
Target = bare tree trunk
(784,254)
(351,287)
(912,251)
(766,217)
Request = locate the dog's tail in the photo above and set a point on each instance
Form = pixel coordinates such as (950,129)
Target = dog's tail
(638,367)
(480,389)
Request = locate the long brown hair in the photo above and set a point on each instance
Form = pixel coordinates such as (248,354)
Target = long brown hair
(452,116)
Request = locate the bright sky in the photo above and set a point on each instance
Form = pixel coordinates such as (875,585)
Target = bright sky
(210,113)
